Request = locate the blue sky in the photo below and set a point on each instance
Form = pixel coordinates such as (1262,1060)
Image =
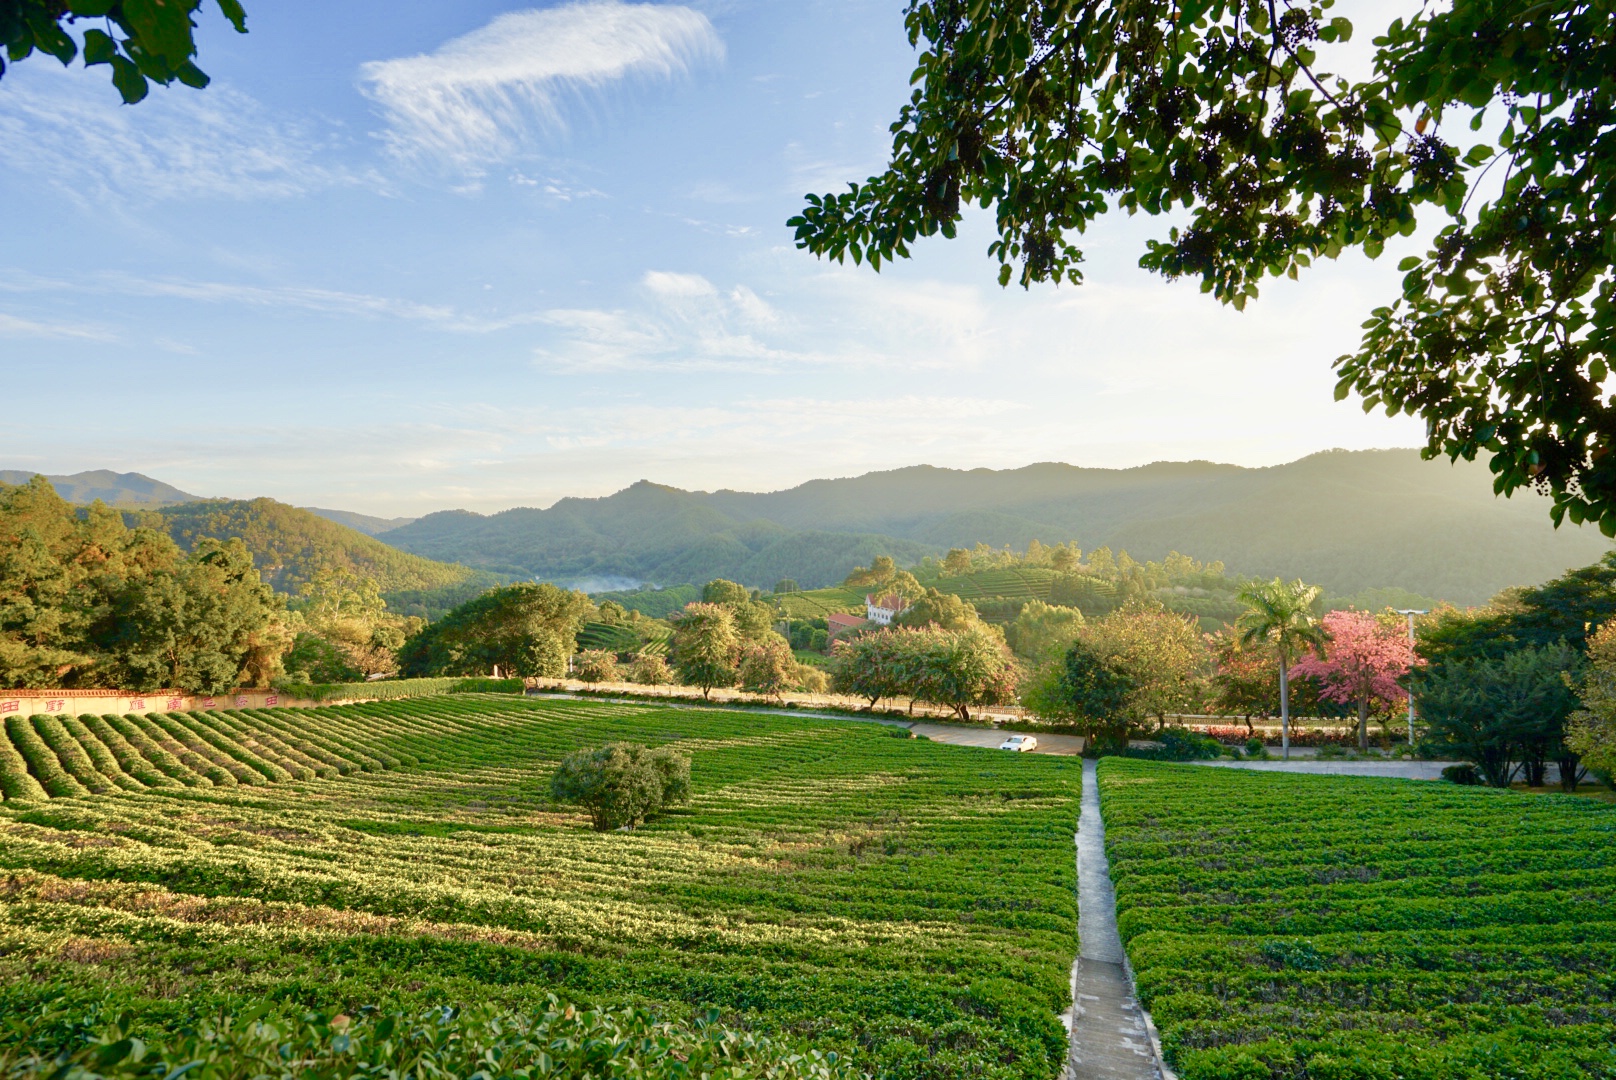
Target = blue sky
(400,258)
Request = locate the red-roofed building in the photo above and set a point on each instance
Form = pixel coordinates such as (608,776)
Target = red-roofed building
(838,625)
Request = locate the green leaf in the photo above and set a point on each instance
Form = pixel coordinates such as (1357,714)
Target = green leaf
(1409,263)
(99,47)
(91,9)
(235,13)
(191,75)
(129,81)
(163,29)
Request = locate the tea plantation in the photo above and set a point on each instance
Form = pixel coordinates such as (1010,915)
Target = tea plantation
(906,904)
(1290,926)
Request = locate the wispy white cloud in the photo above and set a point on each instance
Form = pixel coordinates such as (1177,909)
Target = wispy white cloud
(15,326)
(474,100)
(68,128)
(285,297)
(683,323)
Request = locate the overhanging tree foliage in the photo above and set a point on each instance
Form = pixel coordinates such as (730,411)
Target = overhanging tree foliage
(1497,115)
(141,40)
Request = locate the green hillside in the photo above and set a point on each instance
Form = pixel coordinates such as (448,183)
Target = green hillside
(291,545)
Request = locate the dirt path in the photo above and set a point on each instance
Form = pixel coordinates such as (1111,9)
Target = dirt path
(1110,1039)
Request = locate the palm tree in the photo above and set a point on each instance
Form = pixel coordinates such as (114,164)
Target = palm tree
(1281,614)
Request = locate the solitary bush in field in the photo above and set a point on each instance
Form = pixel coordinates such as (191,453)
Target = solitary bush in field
(673,768)
(596,665)
(622,783)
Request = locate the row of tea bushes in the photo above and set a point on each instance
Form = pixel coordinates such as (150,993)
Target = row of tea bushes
(1285,925)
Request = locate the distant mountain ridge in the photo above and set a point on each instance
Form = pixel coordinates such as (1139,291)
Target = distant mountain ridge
(115,489)
(1348,520)
(365,523)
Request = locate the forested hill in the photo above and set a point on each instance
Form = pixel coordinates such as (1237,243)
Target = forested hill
(115,489)
(644,533)
(1349,521)
(290,545)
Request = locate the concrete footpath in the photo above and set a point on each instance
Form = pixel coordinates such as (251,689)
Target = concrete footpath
(1109,1037)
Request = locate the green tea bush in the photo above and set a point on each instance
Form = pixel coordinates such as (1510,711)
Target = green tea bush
(905,903)
(1312,927)
(560,1043)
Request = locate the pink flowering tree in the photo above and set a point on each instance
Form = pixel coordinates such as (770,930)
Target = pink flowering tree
(1363,659)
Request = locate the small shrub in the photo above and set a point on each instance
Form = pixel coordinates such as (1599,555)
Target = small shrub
(1464,774)
(621,783)
(1181,744)
(1255,748)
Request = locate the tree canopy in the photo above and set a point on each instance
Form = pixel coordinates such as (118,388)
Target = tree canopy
(524,629)
(1493,116)
(86,601)
(141,40)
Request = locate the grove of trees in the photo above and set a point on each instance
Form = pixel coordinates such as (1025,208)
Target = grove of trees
(88,602)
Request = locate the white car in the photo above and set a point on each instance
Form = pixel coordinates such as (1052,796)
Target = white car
(1018,743)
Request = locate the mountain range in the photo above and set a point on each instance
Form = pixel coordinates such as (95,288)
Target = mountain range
(1349,521)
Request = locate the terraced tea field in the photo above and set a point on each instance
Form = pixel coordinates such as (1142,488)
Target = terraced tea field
(1304,926)
(906,903)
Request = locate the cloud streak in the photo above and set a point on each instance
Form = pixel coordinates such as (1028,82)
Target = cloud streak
(15,326)
(307,298)
(472,101)
(179,144)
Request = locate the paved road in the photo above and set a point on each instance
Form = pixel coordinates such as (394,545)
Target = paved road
(1406,770)
(1068,745)
(1110,1040)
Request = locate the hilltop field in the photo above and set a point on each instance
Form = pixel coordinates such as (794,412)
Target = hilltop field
(906,904)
